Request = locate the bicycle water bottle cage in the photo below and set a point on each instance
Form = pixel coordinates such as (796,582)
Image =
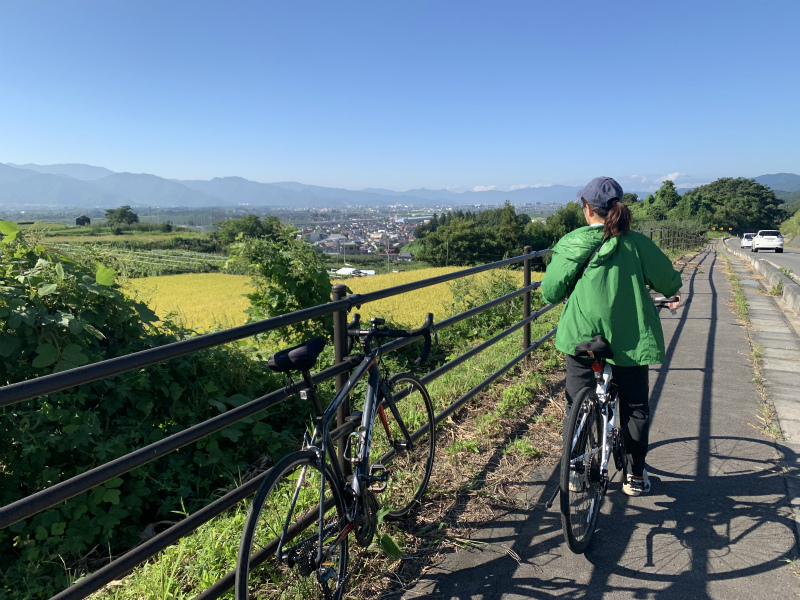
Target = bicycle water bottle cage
(597,347)
(298,358)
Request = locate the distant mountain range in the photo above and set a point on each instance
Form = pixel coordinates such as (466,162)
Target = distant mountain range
(86,186)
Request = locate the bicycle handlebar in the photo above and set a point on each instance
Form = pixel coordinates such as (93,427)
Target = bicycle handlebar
(354,330)
(662,302)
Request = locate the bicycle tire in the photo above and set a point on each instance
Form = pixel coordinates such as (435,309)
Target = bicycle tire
(409,470)
(580,507)
(294,575)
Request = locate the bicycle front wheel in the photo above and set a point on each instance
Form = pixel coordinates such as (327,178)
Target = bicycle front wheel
(408,455)
(278,552)
(580,471)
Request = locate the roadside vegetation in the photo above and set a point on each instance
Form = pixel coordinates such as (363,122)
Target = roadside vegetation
(766,411)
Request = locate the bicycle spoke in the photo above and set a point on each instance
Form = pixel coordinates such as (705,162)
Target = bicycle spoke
(286,508)
(403,440)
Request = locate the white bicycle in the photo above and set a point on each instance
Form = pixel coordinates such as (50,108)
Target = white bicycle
(591,438)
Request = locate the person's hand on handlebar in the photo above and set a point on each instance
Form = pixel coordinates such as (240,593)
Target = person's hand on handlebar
(674,305)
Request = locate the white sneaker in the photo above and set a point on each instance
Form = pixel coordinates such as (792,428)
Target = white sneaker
(575,481)
(636,486)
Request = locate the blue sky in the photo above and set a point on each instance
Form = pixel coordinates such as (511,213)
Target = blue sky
(403,94)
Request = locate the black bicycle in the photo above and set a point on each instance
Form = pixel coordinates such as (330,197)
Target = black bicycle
(295,539)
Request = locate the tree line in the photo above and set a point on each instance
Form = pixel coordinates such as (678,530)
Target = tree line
(465,238)
(740,204)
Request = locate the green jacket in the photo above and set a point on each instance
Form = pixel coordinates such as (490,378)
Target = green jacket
(611,298)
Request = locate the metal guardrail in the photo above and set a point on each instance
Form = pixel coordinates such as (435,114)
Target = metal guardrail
(673,239)
(338,307)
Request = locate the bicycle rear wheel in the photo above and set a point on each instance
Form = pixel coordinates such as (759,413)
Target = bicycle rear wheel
(409,466)
(580,471)
(286,506)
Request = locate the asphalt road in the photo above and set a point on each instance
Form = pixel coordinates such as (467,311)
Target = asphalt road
(718,524)
(788,259)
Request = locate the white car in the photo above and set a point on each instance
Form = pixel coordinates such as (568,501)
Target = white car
(747,240)
(767,239)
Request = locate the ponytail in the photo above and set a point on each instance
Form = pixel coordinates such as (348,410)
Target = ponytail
(618,221)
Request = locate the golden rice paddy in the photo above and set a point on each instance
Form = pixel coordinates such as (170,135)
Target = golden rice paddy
(410,308)
(205,301)
(201,301)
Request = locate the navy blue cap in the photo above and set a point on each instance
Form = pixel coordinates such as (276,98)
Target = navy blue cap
(601,192)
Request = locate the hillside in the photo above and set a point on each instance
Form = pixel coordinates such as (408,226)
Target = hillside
(787,182)
(86,186)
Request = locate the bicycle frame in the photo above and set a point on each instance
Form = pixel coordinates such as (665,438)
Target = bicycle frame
(321,444)
(608,405)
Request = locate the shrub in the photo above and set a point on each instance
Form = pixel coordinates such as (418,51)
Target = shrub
(490,322)
(288,275)
(56,314)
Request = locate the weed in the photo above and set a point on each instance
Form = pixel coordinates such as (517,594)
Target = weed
(777,290)
(460,446)
(766,412)
(519,395)
(486,424)
(738,295)
(522,447)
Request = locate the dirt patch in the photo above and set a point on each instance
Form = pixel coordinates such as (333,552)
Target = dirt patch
(485,455)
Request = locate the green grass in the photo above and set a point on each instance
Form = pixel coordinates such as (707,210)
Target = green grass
(518,395)
(463,446)
(196,562)
(740,302)
(522,447)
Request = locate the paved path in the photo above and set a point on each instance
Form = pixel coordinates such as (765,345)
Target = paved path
(718,523)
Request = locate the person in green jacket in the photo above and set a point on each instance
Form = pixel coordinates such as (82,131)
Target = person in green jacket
(610,297)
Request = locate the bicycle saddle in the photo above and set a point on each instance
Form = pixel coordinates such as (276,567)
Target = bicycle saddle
(597,347)
(298,358)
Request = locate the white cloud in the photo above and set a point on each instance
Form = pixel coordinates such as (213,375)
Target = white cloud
(673,176)
(514,188)
(484,188)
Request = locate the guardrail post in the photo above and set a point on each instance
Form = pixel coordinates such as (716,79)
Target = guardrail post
(661,238)
(526,310)
(338,292)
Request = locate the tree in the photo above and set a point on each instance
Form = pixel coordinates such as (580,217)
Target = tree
(123,215)
(738,203)
(565,220)
(250,226)
(462,243)
(629,198)
(510,231)
(666,198)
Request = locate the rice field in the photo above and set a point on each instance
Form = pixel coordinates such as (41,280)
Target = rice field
(409,309)
(204,301)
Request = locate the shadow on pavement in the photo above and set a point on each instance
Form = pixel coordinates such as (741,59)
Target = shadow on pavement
(717,513)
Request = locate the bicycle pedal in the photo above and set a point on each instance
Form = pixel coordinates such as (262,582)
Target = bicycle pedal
(377,478)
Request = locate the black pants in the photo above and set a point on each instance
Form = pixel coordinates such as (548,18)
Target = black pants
(633,385)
